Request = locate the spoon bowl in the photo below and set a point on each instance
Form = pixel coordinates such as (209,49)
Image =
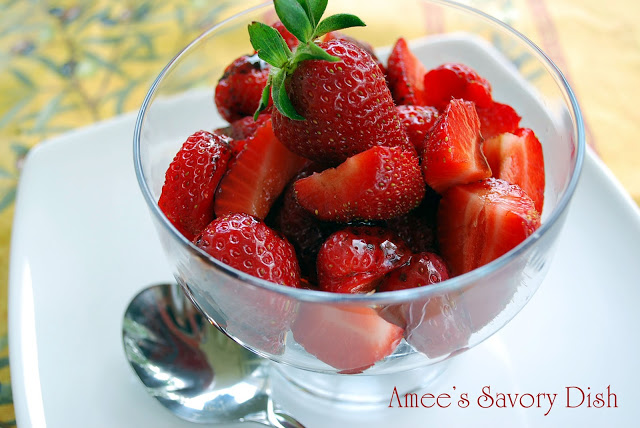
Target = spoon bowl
(191,367)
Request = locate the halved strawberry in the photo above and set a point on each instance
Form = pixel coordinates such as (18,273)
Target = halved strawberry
(355,259)
(452,153)
(337,35)
(191,181)
(348,338)
(417,122)
(240,88)
(453,80)
(377,184)
(481,221)
(497,119)
(405,74)
(517,158)
(257,176)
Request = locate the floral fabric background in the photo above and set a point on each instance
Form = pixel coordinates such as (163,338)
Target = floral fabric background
(67,64)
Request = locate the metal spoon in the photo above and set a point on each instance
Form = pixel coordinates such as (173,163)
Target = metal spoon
(191,367)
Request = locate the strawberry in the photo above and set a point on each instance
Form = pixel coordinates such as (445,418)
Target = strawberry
(302,228)
(452,153)
(417,121)
(377,184)
(257,176)
(331,98)
(247,244)
(347,106)
(435,326)
(517,158)
(423,269)
(191,181)
(239,90)
(289,38)
(455,81)
(418,231)
(348,338)
(355,259)
(337,35)
(481,221)
(497,119)
(244,128)
(406,73)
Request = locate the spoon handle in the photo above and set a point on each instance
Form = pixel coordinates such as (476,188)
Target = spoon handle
(279,419)
(283,420)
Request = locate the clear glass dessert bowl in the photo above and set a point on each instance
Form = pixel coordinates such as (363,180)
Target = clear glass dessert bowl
(309,334)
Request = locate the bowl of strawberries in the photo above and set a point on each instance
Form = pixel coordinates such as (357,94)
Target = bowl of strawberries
(359,196)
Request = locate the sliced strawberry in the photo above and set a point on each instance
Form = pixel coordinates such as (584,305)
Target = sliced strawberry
(240,88)
(497,119)
(355,259)
(191,182)
(337,35)
(517,158)
(348,338)
(481,221)
(455,81)
(417,122)
(289,38)
(405,74)
(257,176)
(377,184)
(452,153)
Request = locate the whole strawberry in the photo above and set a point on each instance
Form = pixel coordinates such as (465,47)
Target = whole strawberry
(191,182)
(239,90)
(331,98)
(247,244)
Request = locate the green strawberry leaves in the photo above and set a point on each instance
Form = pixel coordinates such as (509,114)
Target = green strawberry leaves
(303,19)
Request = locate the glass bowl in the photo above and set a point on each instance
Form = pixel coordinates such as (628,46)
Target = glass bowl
(309,334)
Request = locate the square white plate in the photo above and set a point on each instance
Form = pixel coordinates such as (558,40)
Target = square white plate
(83,245)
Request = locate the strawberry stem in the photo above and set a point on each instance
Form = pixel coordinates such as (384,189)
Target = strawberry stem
(303,19)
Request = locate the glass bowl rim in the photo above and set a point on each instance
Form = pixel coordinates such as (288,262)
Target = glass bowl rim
(389,297)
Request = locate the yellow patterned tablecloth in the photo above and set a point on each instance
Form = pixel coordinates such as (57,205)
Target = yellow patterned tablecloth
(69,63)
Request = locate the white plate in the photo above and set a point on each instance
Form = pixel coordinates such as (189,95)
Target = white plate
(83,246)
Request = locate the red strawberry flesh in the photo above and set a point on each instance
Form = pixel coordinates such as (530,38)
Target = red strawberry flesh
(406,73)
(257,176)
(481,221)
(497,119)
(380,183)
(518,159)
(348,338)
(453,80)
(452,153)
